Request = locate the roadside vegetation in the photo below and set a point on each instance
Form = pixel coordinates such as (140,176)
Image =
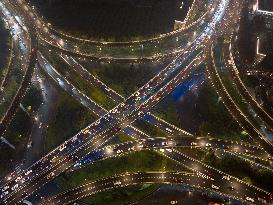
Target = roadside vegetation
(217,122)
(80,83)
(18,131)
(109,20)
(150,129)
(69,118)
(133,162)
(167,110)
(242,169)
(16,134)
(5,50)
(125,79)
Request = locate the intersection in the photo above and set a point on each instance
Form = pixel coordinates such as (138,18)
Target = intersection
(193,47)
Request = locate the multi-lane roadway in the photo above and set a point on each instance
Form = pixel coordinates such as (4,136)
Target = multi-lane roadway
(104,128)
(18,186)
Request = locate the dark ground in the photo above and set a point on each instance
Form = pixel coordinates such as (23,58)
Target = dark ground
(167,193)
(118,19)
(266,5)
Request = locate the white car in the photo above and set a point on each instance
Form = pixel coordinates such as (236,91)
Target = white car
(215,187)
(18,178)
(170,143)
(62,148)
(250,199)
(5,188)
(50,175)
(15,187)
(169,130)
(28,172)
(117,183)
(226,177)
(140,146)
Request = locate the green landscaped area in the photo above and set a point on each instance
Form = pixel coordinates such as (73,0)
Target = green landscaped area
(18,131)
(226,77)
(125,79)
(234,166)
(33,99)
(69,118)
(241,169)
(13,83)
(167,110)
(233,91)
(17,134)
(150,129)
(123,195)
(5,50)
(217,121)
(80,83)
(124,137)
(133,162)
(197,153)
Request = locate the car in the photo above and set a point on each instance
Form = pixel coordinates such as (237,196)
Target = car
(50,175)
(62,147)
(24,179)
(117,183)
(54,159)
(28,172)
(85,131)
(15,187)
(215,187)
(170,143)
(30,144)
(208,145)
(140,145)
(5,188)
(193,144)
(18,178)
(250,199)
(169,130)
(226,177)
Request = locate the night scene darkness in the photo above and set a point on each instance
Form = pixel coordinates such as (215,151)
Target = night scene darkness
(136,102)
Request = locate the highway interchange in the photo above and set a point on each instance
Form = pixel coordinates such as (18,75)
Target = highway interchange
(188,56)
